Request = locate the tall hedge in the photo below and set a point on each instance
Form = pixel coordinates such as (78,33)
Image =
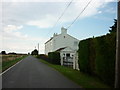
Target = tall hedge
(97,56)
(43,56)
(54,57)
(86,56)
(92,56)
(83,55)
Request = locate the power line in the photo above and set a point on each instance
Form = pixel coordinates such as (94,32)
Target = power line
(63,12)
(61,16)
(79,14)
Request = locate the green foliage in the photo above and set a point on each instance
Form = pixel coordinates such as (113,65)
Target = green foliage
(84,55)
(3,52)
(113,28)
(43,56)
(105,59)
(35,52)
(92,56)
(87,56)
(54,57)
(97,56)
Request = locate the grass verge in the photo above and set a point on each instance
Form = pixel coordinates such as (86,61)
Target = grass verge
(7,64)
(78,77)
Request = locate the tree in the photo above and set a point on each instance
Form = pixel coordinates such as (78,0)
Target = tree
(35,52)
(114,27)
(3,52)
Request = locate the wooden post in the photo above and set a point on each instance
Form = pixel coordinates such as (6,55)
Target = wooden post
(117,68)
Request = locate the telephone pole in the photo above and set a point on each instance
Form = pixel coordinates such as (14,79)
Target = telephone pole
(117,68)
(38,48)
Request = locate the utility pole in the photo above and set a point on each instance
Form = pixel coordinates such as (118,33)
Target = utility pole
(117,68)
(38,48)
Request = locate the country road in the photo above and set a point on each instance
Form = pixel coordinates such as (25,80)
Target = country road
(30,73)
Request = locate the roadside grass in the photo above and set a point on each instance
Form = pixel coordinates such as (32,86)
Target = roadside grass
(82,79)
(7,64)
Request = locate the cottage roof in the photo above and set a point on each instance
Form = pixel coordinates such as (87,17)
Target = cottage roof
(61,49)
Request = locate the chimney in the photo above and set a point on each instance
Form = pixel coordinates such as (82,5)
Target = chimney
(55,34)
(63,30)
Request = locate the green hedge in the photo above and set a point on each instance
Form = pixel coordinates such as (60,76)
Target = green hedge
(84,55)
(43,56)
(92,56)
(97,57)
(54,57)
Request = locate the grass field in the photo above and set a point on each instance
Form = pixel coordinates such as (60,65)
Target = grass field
(8,60)
(78,77)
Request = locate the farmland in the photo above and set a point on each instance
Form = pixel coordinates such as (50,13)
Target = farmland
(8,60)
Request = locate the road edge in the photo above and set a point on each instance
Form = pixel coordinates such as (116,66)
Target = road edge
(11,67)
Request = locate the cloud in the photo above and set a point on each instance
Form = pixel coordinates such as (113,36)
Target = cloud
(23,46)
(111,10)
(46,22)
(99,12)
(45,15)
(12,32)
(16,41)
(50,18)
(11,28)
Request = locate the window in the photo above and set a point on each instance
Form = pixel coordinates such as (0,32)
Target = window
(68,54)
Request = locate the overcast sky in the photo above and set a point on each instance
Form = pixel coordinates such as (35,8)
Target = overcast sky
(25,23)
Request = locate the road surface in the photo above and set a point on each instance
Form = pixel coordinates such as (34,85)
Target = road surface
(30,73)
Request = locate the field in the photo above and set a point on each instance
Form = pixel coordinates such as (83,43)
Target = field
(8,60)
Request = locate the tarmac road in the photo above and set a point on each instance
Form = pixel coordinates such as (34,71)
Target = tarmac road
(31,73)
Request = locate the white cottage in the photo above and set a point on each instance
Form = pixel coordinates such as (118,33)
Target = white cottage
(66,45)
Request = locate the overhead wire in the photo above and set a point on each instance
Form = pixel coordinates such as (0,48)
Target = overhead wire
(61,16)
(79,14)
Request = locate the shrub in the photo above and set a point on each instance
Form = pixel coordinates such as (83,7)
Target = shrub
(54,57)
(83,55)
(43,56)
(105,59)
(92,56)
(97,57)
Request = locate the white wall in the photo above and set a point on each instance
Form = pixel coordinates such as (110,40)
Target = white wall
(49,47)
(64,40)
(60,41)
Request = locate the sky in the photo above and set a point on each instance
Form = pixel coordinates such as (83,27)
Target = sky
(25,23)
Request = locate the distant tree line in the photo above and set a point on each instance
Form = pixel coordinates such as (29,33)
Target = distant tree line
(11,53)
(97,56)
